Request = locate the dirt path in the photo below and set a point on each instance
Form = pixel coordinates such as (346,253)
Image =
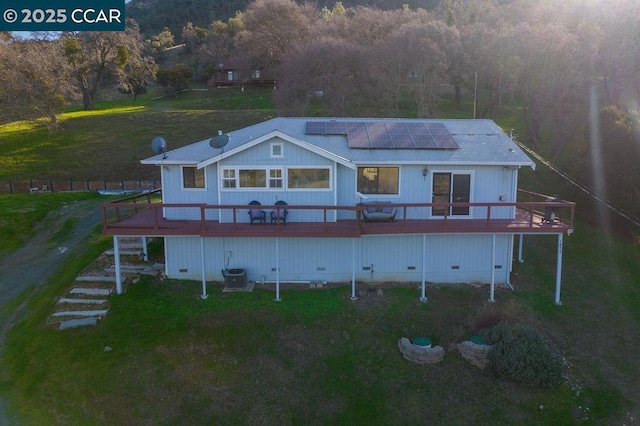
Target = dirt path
(26,271)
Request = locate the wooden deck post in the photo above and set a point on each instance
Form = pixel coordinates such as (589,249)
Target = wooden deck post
(277,299)
(423,296)
(353,269)
(493,269)
(520,241)
(145,250)
(116,258)
(559,269)
(202,264)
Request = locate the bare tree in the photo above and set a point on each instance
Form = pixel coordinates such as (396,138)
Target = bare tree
(33,81)
(92,54)
(274,28)
(326,73)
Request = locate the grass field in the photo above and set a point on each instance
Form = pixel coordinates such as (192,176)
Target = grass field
(110,141)
(316,357)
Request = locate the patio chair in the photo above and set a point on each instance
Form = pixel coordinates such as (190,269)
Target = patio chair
(257,214)
(279,215)
(550,212)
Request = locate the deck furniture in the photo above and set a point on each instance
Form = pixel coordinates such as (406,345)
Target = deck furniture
(256,214)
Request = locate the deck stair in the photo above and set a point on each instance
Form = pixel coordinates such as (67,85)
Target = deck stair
(87,300)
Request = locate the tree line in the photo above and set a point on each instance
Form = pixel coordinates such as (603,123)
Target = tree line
(570,68)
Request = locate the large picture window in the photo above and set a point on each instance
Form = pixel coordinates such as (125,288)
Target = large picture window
(192,177)
(238,178)
(378,180)
(308,178)
(253,178)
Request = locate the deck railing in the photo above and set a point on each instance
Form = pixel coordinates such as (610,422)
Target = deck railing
(151,212)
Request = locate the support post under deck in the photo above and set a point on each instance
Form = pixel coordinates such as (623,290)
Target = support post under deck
(559,269)
(116,258)
(493,269)
(353,269)
(277,299)
(423,295)
(202,264)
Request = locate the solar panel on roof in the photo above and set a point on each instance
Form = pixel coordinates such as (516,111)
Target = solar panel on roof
(315,128)
(336,128)
(386,134)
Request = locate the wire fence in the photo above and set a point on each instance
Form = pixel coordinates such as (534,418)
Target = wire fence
(41,185)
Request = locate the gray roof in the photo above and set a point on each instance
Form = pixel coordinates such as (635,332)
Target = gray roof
(481,142)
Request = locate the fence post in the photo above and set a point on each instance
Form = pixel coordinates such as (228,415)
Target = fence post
(30,184)
(70,184)
(88,188)
(10,186)
(50,185)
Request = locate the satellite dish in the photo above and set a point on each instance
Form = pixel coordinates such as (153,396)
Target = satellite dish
(159,146)
(219,141)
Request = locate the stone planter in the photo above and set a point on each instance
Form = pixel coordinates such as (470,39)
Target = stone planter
(420,354)
(476,353)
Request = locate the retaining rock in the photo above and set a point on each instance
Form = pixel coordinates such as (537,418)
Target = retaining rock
(420,355)
(476,354)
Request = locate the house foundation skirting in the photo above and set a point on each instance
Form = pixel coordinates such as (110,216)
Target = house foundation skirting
(445,259)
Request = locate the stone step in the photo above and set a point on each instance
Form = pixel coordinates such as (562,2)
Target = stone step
(78,322)
(92,313)
(127,246)
(126,269)
(82,301)
(92,291)
(96,278)
(125,252)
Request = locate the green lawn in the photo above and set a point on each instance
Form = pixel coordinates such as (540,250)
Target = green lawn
(109,142)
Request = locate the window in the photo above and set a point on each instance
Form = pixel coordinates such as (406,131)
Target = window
(192,177)
(451,188)
(276,150)
(275,178)
(308,178)
(253,178)
(229,178)
(267,178)
(378,180)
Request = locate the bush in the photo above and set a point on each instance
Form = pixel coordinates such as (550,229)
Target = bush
(519,353)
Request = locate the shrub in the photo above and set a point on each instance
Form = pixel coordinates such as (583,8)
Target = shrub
(519,353)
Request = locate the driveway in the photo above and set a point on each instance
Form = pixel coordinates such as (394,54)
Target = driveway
(26,271)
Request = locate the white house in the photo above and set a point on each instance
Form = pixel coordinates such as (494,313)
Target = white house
(367,200)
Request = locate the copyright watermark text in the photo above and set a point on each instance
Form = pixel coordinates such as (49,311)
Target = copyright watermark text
(63,15)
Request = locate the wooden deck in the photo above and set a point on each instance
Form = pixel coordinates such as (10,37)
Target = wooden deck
(146,219)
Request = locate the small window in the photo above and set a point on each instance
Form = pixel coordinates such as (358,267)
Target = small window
(229,178)
(275,178)
(192,177)
(378,180)
(308,179)
(276,150)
